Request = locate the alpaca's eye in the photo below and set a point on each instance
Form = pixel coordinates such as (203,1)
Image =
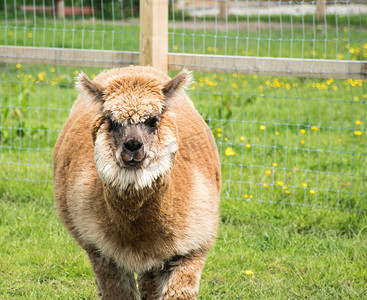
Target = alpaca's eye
(152,122)
(114,125)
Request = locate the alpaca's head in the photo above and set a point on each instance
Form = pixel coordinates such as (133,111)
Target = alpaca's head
(134,132)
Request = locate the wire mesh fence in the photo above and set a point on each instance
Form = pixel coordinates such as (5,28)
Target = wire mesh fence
(282,85)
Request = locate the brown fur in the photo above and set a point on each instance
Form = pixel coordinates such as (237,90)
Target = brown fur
(161,231)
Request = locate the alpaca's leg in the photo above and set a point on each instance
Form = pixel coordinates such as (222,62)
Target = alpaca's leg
(180,277)
(113,282)
(148,286)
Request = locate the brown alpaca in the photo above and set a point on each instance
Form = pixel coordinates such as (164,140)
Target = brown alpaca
(136,182)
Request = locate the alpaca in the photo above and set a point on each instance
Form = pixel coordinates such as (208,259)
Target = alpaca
(137,182)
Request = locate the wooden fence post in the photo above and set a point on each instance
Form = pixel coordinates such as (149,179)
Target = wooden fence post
(320,9)
(59,8)
(223,10)
(154,33)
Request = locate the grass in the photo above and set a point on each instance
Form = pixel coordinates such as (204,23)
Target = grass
(289,147)
(292,252)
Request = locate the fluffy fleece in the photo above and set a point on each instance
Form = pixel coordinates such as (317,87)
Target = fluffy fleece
(158,219)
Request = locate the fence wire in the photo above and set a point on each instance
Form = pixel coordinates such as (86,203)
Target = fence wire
(282,139)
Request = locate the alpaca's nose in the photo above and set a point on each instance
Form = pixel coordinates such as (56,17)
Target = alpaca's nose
(133,145)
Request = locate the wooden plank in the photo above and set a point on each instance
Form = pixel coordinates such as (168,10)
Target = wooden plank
(67,57)
(154,33)
(314,68)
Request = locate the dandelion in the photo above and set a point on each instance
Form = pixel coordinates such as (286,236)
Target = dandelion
(277,133)
(265,185)
(30,35)
(357,132)
(251,196)
(356,98)
(285,187)
(295,168)
(53,70)
(226,139)
(219,129)
(249,272)
(314,128)
(287,192)
(339,140)
(303,131)
(229,152)
(302,142)
(76,72)
(248,146)
(254,76)
(340,56)
(335,87)
(280,182)
(304,184)
(274,164)
(357,122)
(219,134)
(234,85)
(262,127)
(351,50)
(245,196)
(18,66)
(345,29)
(312,192)
(242,138)
(175,47)
(10,33)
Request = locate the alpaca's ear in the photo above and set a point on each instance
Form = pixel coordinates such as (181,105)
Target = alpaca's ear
(92,89)
(176,84)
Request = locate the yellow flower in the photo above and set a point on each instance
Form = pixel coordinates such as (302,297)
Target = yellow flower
(219,130)
(280,182)
(249,272)
(340,56)
(248,146)
(242,138)
(76,72)
(356,98)
(10,33)
(53,70)
(262,127)
(302,142)
(357,132)
(175,47)
(265,185)
(30,35)
(285,188)
(229,151)
(312,192)
(277,133)
(18,66)
(219,134)
(251,196)
(234,85)
(268,172)
(304,184)
(295,168)
(345,29)
(245,196)
(315,128)
(339,140)
(287,192)
(335,87)
(254,76)
(274,164)
(303,131)
(358,122)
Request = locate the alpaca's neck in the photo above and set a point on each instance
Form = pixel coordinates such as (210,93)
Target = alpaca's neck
(129,204)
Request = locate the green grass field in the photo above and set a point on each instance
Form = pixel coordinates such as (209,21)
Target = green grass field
(293,209)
